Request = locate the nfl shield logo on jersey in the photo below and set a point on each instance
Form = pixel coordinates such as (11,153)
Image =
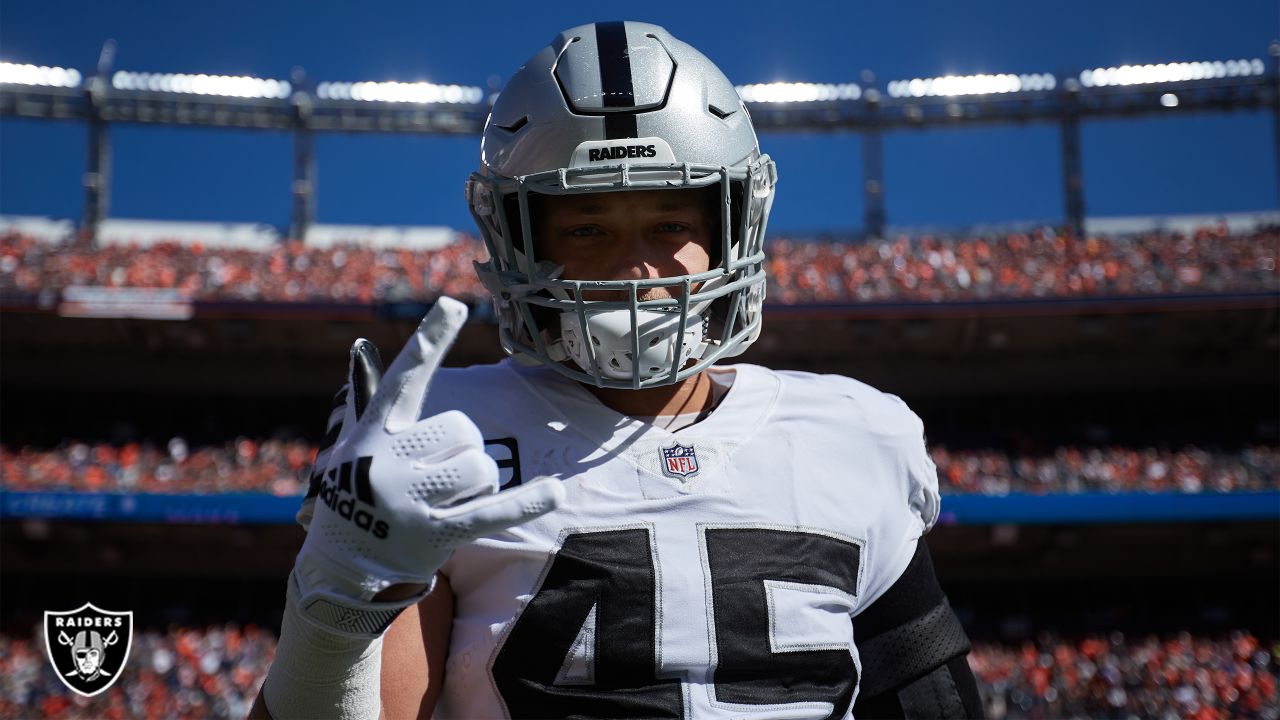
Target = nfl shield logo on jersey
(679,461)
(88,646)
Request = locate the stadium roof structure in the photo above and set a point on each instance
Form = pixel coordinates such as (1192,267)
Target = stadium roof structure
(868,108)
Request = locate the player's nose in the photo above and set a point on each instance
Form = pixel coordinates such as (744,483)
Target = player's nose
(637,258)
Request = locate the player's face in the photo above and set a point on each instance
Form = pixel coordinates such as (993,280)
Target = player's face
(627,235)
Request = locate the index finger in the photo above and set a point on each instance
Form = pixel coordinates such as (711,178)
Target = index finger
(403,389)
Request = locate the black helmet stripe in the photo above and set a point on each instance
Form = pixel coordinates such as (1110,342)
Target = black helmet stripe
(615,79)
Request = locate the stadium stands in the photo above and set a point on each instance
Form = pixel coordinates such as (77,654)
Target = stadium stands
(197,672)
(184,672)
(241,465)
(1039,264)
(289,272)
(1114,676)
(280,467)
(189,486)
(929,268)
(146,233)
(1112,469)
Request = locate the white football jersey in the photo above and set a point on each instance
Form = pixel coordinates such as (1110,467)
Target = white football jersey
(707,573)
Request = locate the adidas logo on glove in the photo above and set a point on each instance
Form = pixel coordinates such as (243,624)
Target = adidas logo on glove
(336,492)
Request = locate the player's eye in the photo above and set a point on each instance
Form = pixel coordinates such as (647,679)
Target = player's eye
(672,227)
(583,231)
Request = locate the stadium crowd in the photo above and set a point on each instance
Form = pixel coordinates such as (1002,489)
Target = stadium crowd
(184,672)
(190,672)
(280,467)
(929,268)
(1042,263)
(1111,469)
(1111,676)
(291,272)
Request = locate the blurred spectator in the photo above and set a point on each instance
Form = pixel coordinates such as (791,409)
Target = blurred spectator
(190,672)
(291,272)
(1115,469)
(1041,263)
(1177,676)
(185,672)
(281,467)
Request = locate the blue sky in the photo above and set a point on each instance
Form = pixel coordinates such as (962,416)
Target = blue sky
(1190,163)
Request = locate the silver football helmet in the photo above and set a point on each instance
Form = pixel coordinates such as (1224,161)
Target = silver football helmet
(617,107)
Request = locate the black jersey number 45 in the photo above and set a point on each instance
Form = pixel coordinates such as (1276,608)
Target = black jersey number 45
(612,574)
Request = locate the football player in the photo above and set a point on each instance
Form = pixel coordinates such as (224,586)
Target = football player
(608,523)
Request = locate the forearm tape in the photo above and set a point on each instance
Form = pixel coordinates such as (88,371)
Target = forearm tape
(318,673)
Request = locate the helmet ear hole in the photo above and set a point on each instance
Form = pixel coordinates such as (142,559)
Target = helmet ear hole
(515,223)
(715,219)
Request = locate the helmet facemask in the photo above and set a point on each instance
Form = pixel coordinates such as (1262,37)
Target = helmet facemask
(546,318)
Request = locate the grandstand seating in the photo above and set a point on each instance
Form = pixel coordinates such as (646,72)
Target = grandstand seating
(929,268)
(280,467)
(215,671)
(1115,676)
(1110,469)
(190,670)
(184,672)
(1037,264)
(241,465)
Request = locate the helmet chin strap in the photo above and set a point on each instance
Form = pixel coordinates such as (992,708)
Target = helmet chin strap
(610,342)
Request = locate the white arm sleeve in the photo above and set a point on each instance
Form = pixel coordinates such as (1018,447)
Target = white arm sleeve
(321,674)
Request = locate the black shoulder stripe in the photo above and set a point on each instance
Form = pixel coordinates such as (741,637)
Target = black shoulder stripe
(615,79)
(908,652)
(915,593)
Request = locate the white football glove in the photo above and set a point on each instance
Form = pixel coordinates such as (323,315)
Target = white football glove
(398,494)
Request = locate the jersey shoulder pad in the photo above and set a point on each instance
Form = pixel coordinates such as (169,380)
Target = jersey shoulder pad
(861,409)
(858,405)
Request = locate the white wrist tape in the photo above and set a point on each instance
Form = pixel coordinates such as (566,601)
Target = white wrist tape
(319,672)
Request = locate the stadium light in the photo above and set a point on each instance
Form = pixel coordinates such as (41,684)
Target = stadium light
(38,75)
(782,92)
(219,85)
(983,84)
(399,92)
(1170,72)
(1169,100)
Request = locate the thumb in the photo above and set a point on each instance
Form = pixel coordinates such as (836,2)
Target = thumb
(493,513)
